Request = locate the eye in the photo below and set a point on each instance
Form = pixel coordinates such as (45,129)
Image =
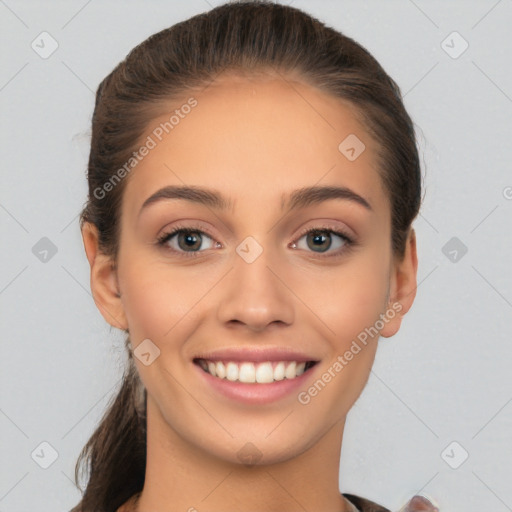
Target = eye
(320,240)
(189,241)
(186,240)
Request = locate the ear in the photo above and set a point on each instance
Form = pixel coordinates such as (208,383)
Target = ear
(403,286)
(104,285)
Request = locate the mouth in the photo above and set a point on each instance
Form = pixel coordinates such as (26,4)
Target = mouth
(249,372)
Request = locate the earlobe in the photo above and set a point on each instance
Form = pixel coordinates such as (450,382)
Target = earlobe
(104,284)
(402,287)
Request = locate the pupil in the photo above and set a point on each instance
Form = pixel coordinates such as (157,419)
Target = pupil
(318,236)
(190,241)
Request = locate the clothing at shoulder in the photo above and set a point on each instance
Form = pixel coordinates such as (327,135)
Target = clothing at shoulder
(361,504)
(365,505)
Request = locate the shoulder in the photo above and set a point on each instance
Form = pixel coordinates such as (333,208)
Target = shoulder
(365,505)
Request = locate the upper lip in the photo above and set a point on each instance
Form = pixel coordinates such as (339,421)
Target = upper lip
(258,355)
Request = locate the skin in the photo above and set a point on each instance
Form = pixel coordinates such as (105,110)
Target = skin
(253,140)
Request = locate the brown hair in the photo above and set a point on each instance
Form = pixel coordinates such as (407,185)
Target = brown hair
(238,37)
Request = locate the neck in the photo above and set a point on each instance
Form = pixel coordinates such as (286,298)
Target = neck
(182,476)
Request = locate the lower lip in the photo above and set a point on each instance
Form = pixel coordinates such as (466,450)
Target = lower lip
(255,393)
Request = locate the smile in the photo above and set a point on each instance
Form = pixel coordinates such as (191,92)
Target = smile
(250,372)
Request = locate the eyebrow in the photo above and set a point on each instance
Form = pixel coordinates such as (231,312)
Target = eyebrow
(297,199)
(306,196)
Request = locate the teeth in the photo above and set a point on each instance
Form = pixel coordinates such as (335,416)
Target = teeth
(211,368)
(290,370)
(248,372)
(262,373)
(220,370)
(279,371)
(232,371)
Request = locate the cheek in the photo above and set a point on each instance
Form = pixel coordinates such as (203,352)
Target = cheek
(153,299)
(361,300)
(341,300)
(160,302)
(347,299)
(351,309)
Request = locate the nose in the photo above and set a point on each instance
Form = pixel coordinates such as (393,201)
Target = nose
(256,296)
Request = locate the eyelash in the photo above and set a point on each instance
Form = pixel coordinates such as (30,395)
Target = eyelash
(348,241)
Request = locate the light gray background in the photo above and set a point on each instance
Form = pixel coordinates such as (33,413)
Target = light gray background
(445,377)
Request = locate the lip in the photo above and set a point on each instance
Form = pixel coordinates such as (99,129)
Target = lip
(255,393)
(256,355)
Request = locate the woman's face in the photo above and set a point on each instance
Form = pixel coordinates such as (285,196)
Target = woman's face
(237,281)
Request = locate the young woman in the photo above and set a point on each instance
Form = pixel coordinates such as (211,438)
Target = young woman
(253,178)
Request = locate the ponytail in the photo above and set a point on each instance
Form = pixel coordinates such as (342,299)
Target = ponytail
(116,452)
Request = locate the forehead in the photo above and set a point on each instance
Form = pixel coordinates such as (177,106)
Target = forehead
(259,135)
